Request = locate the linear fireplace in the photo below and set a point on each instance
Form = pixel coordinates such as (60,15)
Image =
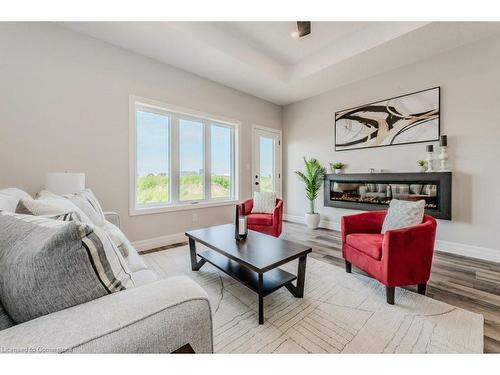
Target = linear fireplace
(374,191)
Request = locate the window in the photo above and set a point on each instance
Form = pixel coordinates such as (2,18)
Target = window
(180,159)
(222,151)
(152,158)
(191,155)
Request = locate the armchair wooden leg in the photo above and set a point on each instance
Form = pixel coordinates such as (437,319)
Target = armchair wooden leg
(348,267)
(421,288)
(390,294)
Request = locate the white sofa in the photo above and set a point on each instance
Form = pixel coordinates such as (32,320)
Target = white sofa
(159,316)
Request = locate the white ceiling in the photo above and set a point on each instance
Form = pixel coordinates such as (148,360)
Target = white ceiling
(274,38)
(262,59)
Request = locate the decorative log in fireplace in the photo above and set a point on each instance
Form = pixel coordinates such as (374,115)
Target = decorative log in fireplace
(374,191)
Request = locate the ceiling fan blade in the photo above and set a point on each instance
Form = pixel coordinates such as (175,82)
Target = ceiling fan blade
(304,28)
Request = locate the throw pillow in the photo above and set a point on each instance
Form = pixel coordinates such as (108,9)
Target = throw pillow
(48,265)
(403,214)
(117,236)
(8,203)
(68,203)
(49,206)
(86,201)
(263,202)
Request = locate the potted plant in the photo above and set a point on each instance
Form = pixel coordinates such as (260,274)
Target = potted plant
(421,165)
(313,178)
(337,167)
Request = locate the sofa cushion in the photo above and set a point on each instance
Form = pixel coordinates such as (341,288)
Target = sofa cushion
(368,243)
(48,265)
(144,277)
(10,197)
(263,202)
(260,219)
(135,262)
(5,320)
(403,214)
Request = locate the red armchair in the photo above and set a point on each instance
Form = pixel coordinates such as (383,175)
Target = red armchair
(397,258)
(264,222)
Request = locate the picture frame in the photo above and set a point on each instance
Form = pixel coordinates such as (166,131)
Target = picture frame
(405,119)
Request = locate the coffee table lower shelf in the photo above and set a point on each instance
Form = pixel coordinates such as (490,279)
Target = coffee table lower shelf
(272,280)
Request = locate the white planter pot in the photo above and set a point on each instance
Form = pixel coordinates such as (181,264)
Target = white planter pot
(421,169)
(312,221)
(337,171)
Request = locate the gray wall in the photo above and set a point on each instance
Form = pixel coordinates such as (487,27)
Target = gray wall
(64,107)
(470,114)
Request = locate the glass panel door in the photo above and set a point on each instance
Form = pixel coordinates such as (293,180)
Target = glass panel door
(267,161)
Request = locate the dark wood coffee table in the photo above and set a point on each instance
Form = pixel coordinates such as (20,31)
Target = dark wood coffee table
(253,262)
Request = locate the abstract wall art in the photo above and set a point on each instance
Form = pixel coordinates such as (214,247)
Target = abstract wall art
(410,118)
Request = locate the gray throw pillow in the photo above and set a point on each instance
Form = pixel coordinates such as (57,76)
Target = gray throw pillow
(86,201)
(5,320)
(48,204)
(48,265)
(403,214)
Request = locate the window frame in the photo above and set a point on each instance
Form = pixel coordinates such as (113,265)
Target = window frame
(175,113)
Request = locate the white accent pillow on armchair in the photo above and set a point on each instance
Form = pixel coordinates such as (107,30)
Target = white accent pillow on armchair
(264,202)
(403,214)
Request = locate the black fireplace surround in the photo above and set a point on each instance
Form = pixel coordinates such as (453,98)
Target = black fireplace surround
(374,191)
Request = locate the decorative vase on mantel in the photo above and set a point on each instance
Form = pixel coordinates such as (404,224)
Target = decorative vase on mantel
(337,167)
(422,165)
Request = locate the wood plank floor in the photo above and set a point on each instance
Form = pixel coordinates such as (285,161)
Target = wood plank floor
(468,283)
(464,282)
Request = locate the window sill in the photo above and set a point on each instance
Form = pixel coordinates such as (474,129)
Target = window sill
(179,207)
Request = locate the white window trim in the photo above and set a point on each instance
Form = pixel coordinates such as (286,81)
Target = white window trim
(186,205)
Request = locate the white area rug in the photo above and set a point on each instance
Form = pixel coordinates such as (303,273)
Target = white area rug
(340,313)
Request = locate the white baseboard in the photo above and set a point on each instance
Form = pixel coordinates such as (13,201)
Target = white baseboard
(456,248)
(469,251)
(152,243)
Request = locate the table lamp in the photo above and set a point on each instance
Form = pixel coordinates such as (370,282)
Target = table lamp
(64,182)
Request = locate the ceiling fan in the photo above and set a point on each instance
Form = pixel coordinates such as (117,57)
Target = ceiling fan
(303,29)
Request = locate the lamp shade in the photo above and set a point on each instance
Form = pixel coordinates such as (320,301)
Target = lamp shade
(64,182)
